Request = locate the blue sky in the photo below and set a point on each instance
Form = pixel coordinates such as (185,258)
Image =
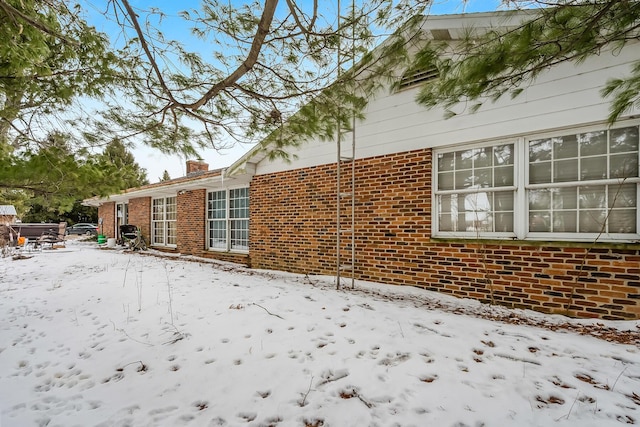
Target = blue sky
(173,27)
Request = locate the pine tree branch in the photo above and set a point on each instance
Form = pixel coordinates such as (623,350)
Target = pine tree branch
(145,46)
(13,12)
(249,62)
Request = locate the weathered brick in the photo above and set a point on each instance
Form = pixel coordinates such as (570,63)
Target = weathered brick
(393,230)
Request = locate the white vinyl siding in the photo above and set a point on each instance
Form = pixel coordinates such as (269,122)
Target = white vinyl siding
(228,219)
(163,221)
(564,96)
(573,185)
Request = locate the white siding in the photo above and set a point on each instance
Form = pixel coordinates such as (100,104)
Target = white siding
(567,95)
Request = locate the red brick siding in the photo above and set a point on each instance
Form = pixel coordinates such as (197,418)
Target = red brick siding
(107,212)
(140,215)
(293,228)
(191,222)
(196,166)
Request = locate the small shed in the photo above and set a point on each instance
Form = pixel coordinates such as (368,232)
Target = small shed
(8,214)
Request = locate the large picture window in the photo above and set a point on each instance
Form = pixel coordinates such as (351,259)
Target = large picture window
(228,219)
(163,221)
(580,185)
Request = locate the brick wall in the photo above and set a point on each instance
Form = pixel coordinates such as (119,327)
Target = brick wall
(107,211)
(196,166)
(293,228)
(140,215)
(191,222)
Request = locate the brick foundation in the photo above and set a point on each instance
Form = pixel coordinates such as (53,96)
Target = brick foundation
(293,216)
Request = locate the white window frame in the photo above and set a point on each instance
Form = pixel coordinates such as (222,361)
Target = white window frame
(522,189)
(436,193)
(121,216)
(166,223)
(229,222)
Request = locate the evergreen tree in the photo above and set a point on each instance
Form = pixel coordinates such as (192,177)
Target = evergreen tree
(117,155)
(165,176)
(18,198)
(54,177)
(49,58)
(272,62)
(484,68)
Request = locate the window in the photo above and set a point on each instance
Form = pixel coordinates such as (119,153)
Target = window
(573,186)
(228,219)
(217,214)
(476,190)
(583,182)
(122,216)
(163,221)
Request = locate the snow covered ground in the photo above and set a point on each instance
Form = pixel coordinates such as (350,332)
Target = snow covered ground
(92,337)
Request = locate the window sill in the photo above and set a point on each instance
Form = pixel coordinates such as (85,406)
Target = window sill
(232,251)
(634,245)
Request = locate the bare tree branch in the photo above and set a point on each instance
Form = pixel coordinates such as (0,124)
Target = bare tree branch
(249,62)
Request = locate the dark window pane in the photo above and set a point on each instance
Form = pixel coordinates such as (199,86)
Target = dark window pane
(484,177)
(445,161)
(622,221)
(593,143)
(464,159)
(624,140)
(483,157)
(565,198)
(624,166)
(593,168)
(503,155)
(503,176)
(504,221)
(540,150)
(592,197)
(565,147)
(539,199)
(464,179)
(540,173)
(539,221)
(565,222)
(622,195)
(445,181)
(503,201)
(565,171)
(592,220)
(445,222)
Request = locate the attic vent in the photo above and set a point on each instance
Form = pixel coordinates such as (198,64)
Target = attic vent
(415,77)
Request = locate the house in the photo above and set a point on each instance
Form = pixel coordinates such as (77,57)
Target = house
(530,202)
(8,214)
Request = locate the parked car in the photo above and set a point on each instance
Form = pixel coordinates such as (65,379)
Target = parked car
(83,228)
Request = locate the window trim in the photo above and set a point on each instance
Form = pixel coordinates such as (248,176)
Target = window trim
(227,219)
(522,188)
(435,193)
(165,222)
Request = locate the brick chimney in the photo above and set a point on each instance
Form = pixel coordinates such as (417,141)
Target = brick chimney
(195,166)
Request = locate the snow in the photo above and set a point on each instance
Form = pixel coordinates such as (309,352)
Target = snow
(99,337)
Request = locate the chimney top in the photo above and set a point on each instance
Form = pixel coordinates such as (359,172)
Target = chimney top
(196,166)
